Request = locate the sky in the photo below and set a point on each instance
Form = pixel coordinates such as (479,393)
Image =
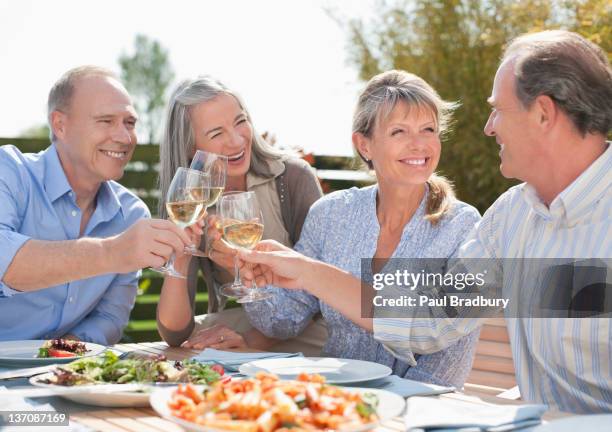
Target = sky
(288,59)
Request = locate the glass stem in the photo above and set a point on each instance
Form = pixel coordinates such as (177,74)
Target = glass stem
(237,280)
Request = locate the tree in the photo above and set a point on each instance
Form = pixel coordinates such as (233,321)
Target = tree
(36,131)
(455,45)
(147,73)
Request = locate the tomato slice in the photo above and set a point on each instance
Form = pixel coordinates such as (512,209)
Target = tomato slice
(218,368)
(60,353)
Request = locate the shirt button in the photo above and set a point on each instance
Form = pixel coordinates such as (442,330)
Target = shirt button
(70,299)
(73,212)
(70,193)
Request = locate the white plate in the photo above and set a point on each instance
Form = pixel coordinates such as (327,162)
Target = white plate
(389,405)
(335,370)
(23,353)
(119,399)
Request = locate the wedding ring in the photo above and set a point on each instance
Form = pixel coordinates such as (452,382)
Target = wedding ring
(221,338)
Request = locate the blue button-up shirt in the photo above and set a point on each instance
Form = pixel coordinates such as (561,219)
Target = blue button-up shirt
(37,202)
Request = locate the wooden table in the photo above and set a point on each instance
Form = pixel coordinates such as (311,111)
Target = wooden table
(145,419)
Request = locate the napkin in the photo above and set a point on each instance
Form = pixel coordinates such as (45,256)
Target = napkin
(231,361)
(434,414)
(404,387)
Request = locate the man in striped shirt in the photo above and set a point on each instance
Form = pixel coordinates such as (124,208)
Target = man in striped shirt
(551,113)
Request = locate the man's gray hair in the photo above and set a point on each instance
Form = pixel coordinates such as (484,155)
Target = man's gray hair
(61,93)
(177,144)
(386,89)
(574,72)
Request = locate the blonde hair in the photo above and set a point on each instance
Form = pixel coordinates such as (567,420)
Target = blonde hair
(377,101)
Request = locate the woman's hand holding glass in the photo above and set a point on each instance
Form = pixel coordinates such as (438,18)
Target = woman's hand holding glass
(215,166)
(272,263)
(219,251)
(242,225)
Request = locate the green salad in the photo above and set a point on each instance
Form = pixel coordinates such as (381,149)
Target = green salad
(109,368)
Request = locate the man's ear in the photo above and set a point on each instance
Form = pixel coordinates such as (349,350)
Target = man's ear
(546,112)
(58,124)
(362,145)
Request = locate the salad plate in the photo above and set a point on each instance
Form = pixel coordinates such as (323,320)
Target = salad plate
(20,353)
(95,374)
(117,399)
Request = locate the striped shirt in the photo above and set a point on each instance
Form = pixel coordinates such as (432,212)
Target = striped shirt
(563,362)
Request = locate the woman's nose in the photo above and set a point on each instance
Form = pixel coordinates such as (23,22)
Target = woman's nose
(237,140)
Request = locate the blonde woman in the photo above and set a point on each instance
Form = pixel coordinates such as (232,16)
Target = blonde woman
(410,213)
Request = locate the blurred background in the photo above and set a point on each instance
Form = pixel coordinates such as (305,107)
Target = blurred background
(299,65)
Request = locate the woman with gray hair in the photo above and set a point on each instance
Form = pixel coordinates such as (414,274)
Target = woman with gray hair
(410,213)
(205,115)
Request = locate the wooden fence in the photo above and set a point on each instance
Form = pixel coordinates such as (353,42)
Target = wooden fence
(141,177)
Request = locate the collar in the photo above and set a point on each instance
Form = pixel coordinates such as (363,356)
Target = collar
(55,180)
(277,167)
(580,196)
(56,185)
(107,202)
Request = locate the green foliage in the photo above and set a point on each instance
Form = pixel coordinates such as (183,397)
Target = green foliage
(147,74)
(455,45)
(36,131)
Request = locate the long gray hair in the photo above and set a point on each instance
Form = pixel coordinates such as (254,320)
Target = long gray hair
(177,144)
(377,101)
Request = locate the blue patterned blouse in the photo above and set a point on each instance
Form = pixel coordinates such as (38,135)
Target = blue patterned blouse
(341,229)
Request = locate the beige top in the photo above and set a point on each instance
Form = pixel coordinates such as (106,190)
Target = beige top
(267,196)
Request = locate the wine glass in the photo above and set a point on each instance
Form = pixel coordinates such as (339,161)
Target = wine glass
(216,167)
(186,201)
(242,224)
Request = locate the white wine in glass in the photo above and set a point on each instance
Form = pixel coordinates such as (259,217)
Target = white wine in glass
(243,234)
(242,224)
(185,207)
(215,166)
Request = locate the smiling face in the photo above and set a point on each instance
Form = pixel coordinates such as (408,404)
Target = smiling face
(96,134)
(404,147)
(221,126)
(513,127)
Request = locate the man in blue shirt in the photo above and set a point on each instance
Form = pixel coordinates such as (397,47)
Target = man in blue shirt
(72,240)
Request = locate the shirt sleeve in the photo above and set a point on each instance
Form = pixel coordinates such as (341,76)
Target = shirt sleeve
(288,312)
(414,333)
(13,198)
(105,323)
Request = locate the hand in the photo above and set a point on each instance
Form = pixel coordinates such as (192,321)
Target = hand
(194,232)
(217,337)
(147,243)
(218,250)
(278,265)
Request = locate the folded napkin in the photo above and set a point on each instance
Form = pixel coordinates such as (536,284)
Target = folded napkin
(404,387)
(434,414)
(231,361)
